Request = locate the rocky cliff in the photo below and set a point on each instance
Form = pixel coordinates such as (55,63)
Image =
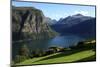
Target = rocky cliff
(29,23)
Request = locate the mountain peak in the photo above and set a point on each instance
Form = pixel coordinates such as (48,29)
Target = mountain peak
(78,15)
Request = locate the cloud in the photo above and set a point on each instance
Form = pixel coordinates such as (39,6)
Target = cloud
(82,12)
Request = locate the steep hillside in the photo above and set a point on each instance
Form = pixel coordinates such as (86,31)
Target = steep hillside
(29,23)
(77,25)
(86,28)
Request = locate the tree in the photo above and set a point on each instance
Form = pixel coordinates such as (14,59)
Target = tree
(80,44)
(24,51)
(20,58)
(23,54)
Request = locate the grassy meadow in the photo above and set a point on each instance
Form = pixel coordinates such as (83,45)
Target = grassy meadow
(84,51)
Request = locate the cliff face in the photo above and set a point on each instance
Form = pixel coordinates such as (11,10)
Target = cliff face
(29,23)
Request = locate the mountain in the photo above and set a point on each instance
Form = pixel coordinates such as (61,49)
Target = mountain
(77,24)
(74,19)
(29,23)
(86,28)
(50,21)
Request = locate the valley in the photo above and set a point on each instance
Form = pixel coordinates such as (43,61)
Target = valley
(38,39)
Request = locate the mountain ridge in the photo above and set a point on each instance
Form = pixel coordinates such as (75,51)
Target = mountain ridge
(82,25)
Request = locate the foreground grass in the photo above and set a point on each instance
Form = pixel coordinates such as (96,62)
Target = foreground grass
(72,56)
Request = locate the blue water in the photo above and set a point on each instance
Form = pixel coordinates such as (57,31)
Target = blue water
(59,41)
(65,41)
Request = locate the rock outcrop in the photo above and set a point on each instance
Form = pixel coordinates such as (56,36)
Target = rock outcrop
(29,23)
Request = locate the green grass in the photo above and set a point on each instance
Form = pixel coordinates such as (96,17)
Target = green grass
(87,53)
(72,56)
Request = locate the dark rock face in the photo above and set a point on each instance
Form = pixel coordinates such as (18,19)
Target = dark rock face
(29,23)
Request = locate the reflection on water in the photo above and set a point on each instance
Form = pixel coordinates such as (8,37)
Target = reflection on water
(64,41)
(59,41)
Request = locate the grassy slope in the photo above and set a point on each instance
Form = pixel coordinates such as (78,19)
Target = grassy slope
(60,58)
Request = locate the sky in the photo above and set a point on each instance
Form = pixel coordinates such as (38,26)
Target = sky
(57,11)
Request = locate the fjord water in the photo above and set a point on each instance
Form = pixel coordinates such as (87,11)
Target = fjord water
(58,41)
